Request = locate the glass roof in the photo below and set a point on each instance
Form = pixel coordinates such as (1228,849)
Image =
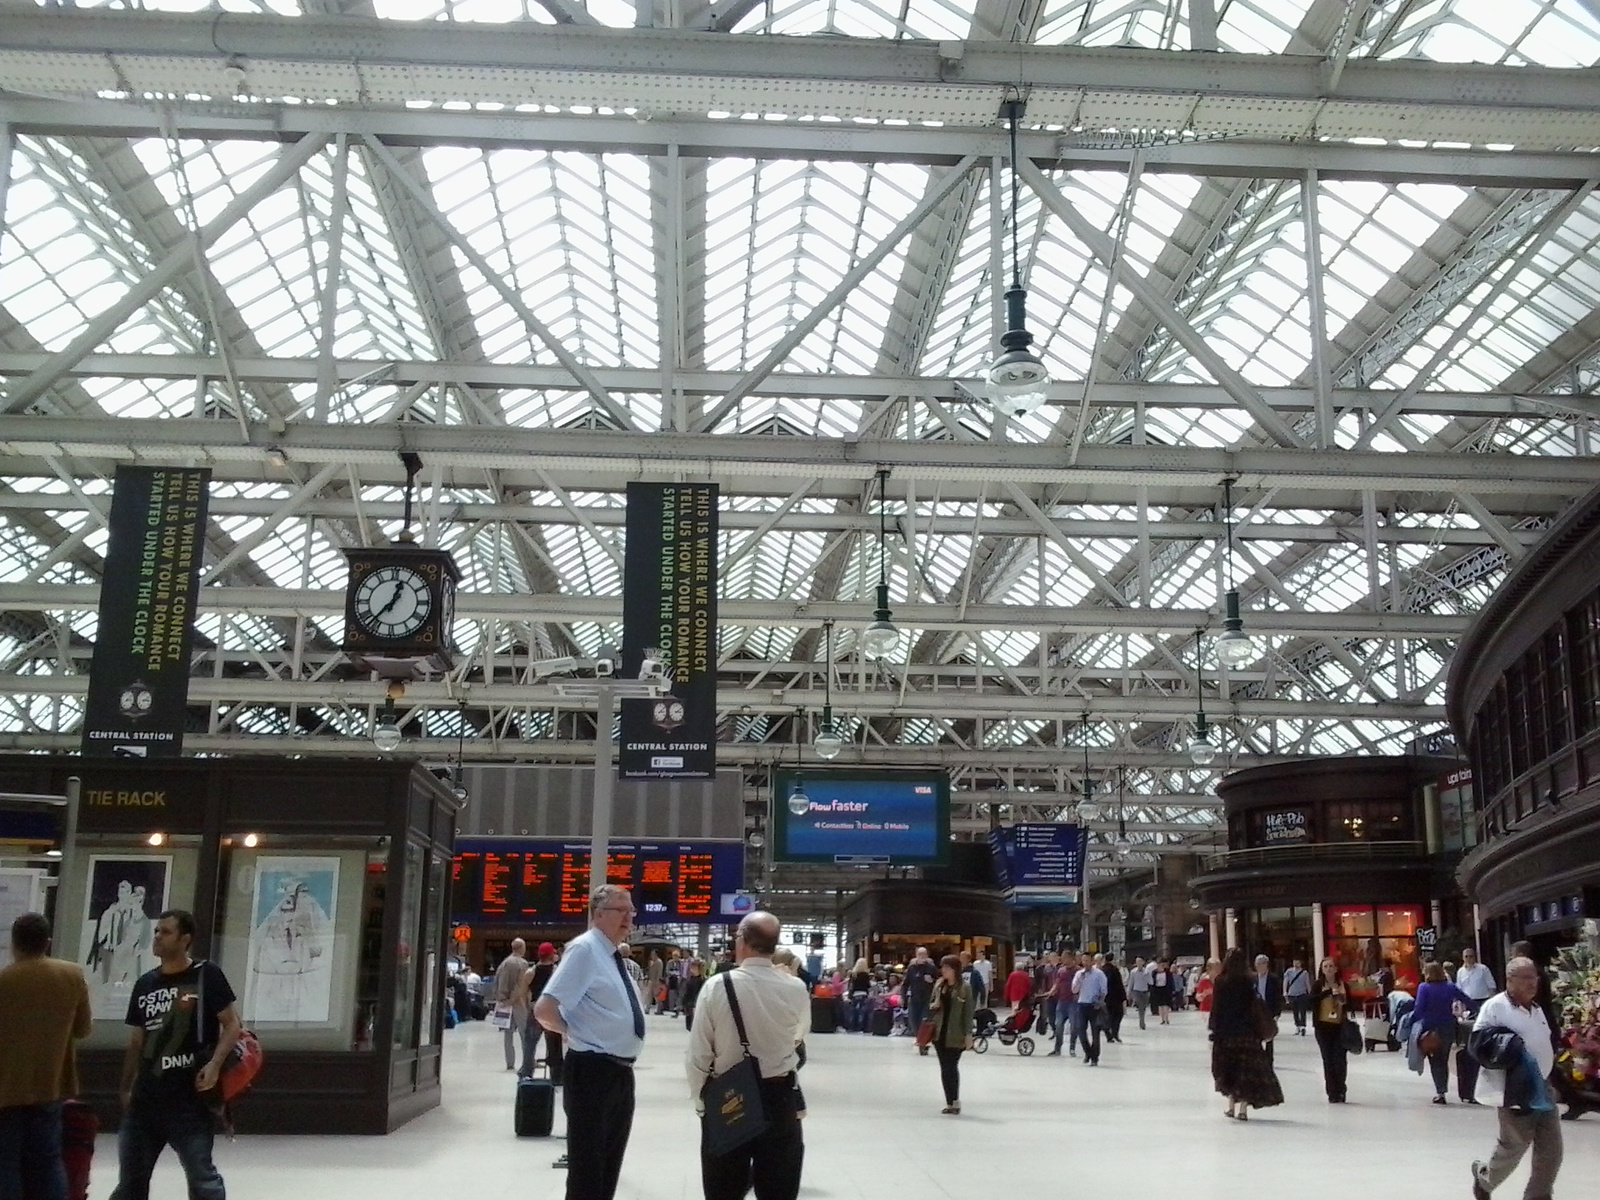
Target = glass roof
(671,280)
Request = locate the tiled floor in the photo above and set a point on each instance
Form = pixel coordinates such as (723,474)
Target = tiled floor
(1048,1125)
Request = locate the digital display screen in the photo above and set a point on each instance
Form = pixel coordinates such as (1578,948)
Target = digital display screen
(891,818)
(548,881)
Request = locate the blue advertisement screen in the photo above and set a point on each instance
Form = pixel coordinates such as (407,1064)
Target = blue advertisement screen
(888,817)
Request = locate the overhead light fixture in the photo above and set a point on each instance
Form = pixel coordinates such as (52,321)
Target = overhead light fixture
(799,802)
(827,743)
(156,839)
(459,778)
(1121,845)
(757,839)
(1018,382)
(386,733)
(1201,752)
(1234,646)
(882,637)
(1088,810)
(251,840)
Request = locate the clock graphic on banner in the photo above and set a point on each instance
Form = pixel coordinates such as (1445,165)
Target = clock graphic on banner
(393,602)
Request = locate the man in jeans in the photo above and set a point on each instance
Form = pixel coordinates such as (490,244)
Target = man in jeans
(184,1026)
(1511,1039)
(1297,991)
(44,1008)
(918,988)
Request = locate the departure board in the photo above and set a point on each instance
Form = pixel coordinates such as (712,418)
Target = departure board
(501,880)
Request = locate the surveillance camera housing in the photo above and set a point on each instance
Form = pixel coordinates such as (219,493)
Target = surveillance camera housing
(604,667)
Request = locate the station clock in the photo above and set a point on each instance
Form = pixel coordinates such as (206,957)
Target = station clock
(399,606)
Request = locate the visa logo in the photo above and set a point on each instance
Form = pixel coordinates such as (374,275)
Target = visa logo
(923,789)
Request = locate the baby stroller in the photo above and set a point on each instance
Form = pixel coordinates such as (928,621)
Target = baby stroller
(1014,1031)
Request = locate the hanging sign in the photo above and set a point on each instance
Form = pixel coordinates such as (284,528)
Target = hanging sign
(139,677)
(669,605)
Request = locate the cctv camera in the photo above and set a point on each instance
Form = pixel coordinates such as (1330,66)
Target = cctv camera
(651,666)
(604,666)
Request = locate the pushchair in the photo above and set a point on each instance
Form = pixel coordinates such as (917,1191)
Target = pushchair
(1014,1030)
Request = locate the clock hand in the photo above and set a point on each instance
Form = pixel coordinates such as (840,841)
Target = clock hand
(399,590)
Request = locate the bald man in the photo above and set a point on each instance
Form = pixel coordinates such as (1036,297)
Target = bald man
(776,1011)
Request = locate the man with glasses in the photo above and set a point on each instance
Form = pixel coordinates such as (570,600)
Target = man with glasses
(591,1002)
(1511,1040)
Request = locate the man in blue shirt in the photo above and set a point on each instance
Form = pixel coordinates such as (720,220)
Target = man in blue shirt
(592,1003)
(1090,984)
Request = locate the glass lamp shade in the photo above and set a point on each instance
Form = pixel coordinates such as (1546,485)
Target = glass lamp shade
(386,735)
(1018,383)
(1088,810)
(882,638)
(757,839)
(1120,846)
(1234,647)
(1201,752)
(799,802)
(828,743)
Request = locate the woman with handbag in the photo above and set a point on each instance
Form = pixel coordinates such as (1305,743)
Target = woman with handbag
(950,1010)
(1434,1024)
(1330,1022)
(1240,1024)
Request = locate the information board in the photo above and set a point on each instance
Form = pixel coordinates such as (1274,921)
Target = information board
(502,881)
(1038,854)
(871,817)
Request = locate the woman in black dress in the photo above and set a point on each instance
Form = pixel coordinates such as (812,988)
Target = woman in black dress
(1240,1068)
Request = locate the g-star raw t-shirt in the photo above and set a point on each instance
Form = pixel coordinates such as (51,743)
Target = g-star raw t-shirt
(179,1038)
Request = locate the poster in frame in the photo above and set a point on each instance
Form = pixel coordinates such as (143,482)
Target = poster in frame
(290,976)
(124,894)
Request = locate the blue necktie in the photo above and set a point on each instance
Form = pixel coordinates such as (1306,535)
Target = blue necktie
(633,998)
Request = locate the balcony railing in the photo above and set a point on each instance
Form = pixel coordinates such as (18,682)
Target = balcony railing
(1317,852)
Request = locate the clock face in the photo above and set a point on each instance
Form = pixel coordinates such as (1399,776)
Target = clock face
(393,602)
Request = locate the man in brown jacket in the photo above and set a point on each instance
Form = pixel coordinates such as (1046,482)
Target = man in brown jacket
(44,1006)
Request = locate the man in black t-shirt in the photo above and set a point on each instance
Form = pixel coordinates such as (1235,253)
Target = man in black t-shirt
(184,1026)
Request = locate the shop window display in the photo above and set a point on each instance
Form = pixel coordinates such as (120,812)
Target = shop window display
(1361,938)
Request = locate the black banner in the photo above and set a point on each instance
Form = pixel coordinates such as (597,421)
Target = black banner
(139,679)
(669,604)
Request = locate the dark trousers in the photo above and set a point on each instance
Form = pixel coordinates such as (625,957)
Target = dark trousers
(148,1127)
(554,1043)
(1301,1006)
(949,1071)
(1086,1020)
(531,1030)
(597,1095)
(1335,1058)
(1466,1065)
(771,1161)
(30,1153)
(1439,1062)
(1114,1021)
(916,1011)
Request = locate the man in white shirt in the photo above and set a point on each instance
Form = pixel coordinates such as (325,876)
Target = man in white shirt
(776,1012)
(1528,1116)
(1476,982)
(984,970)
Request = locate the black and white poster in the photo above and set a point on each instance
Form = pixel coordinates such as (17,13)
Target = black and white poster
(139,677)
(124,896)
(669,604)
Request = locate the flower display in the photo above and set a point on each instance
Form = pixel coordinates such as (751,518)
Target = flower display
(1575,985)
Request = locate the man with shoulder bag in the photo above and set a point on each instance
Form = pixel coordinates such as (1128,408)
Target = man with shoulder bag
(741,1066)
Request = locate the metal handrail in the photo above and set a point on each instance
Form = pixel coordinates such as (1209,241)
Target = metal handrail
(1277,856)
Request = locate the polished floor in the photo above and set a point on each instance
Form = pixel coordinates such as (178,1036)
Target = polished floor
(1145,1122)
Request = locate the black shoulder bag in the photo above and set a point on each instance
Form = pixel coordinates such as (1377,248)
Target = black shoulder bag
(734,1113)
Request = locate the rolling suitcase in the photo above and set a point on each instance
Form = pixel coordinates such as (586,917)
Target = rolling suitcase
(823,1015)
(882,1021)
(536,1108)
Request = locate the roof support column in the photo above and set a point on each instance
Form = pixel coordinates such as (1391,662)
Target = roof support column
(1321,376)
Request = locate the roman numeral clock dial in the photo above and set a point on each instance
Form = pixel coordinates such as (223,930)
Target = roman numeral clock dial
(393,602)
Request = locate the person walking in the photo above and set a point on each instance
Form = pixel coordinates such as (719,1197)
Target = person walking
(1161,991)
(1434,1023)
(183,1027)
(1329,1004)
(592,1003)
(1511,1039)
(1090,989)
(983,969)
(694,982)
(529,988)
(1240,1068)
(1139,988)
(1476,982)
(1062,1006)
(44,1009)
(506,977)
(1270,990)
(764,1011)
(860,995)
(951,1006)
(1297,991)
(655,974)
(1116,1000)
(917,988)
(1019,985)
